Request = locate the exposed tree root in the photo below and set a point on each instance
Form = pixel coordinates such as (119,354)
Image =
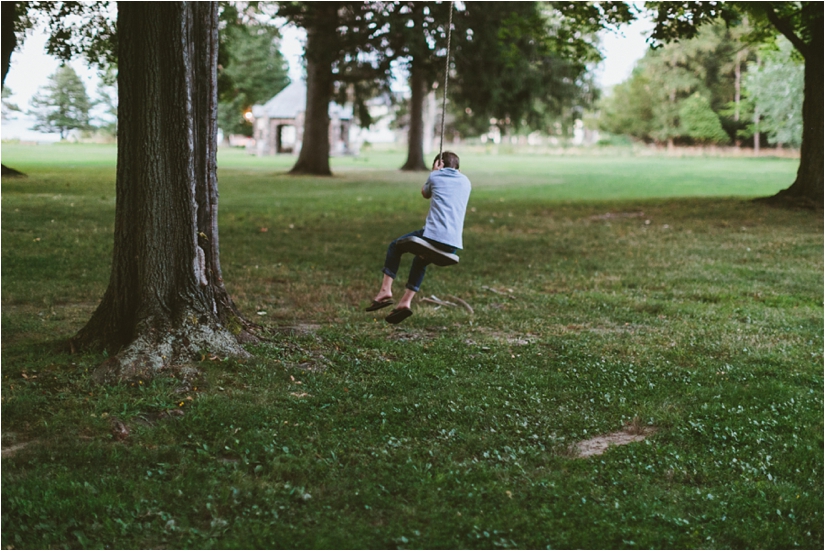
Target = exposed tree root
(153,352)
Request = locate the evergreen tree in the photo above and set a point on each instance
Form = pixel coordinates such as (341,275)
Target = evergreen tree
(8,106)
(252,71)
(62,105)
(699,122)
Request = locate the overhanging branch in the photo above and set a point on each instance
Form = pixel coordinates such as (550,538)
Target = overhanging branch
(784,27)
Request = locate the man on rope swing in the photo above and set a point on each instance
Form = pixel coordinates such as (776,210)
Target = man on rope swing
(448,191)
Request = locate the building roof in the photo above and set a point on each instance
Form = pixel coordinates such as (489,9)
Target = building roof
(291,101)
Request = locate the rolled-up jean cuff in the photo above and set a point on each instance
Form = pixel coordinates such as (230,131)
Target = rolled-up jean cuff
(389,273)
(412,288)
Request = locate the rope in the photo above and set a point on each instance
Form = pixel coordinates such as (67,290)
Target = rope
(446,80)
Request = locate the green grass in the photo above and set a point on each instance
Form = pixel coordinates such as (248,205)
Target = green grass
(607,291)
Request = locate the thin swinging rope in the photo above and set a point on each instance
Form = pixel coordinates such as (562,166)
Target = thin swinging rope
(446,80)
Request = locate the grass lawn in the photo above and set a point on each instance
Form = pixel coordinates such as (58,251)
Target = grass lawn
(610,293)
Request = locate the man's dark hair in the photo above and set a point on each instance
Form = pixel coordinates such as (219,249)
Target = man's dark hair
(450,159)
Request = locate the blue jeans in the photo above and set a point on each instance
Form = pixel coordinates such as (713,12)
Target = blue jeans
(419,265)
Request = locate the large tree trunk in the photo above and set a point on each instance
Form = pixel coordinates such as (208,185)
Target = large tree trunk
(166,301)
(314,155)
(808,187)
(10,15)
(415,140)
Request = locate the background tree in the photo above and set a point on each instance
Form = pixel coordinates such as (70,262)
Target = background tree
(628,109)
(802,24)
(251,68)
(74,27)
(648,105)
(417,36)
(107,93)
(341,38)
(775,88)
(62,105)
(525,64)
(8,106)
(699,122)
(166,301)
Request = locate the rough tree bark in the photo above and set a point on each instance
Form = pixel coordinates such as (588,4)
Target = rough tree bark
(166,301)
(314,155)
(10,15)
(415,137)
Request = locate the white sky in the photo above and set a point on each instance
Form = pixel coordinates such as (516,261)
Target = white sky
(31,67)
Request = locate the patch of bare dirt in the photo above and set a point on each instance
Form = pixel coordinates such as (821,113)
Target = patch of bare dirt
(315,362)
(615,215)
(297,329)
(632,432)
(602,330)
(502,337)
(9,451)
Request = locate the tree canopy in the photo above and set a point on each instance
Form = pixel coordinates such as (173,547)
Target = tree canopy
(525,64)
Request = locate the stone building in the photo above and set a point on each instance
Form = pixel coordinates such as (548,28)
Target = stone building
(279,124)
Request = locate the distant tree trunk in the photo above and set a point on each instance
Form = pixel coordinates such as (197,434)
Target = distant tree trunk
(166,301)
(757,137)
(808,186)
(10,14)
(415,140)
(314,155)
(737,87)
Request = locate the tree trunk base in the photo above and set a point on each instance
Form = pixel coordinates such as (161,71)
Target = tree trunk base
(787,199)
(10,172)
(302,169)
(156,351)
(411,166)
